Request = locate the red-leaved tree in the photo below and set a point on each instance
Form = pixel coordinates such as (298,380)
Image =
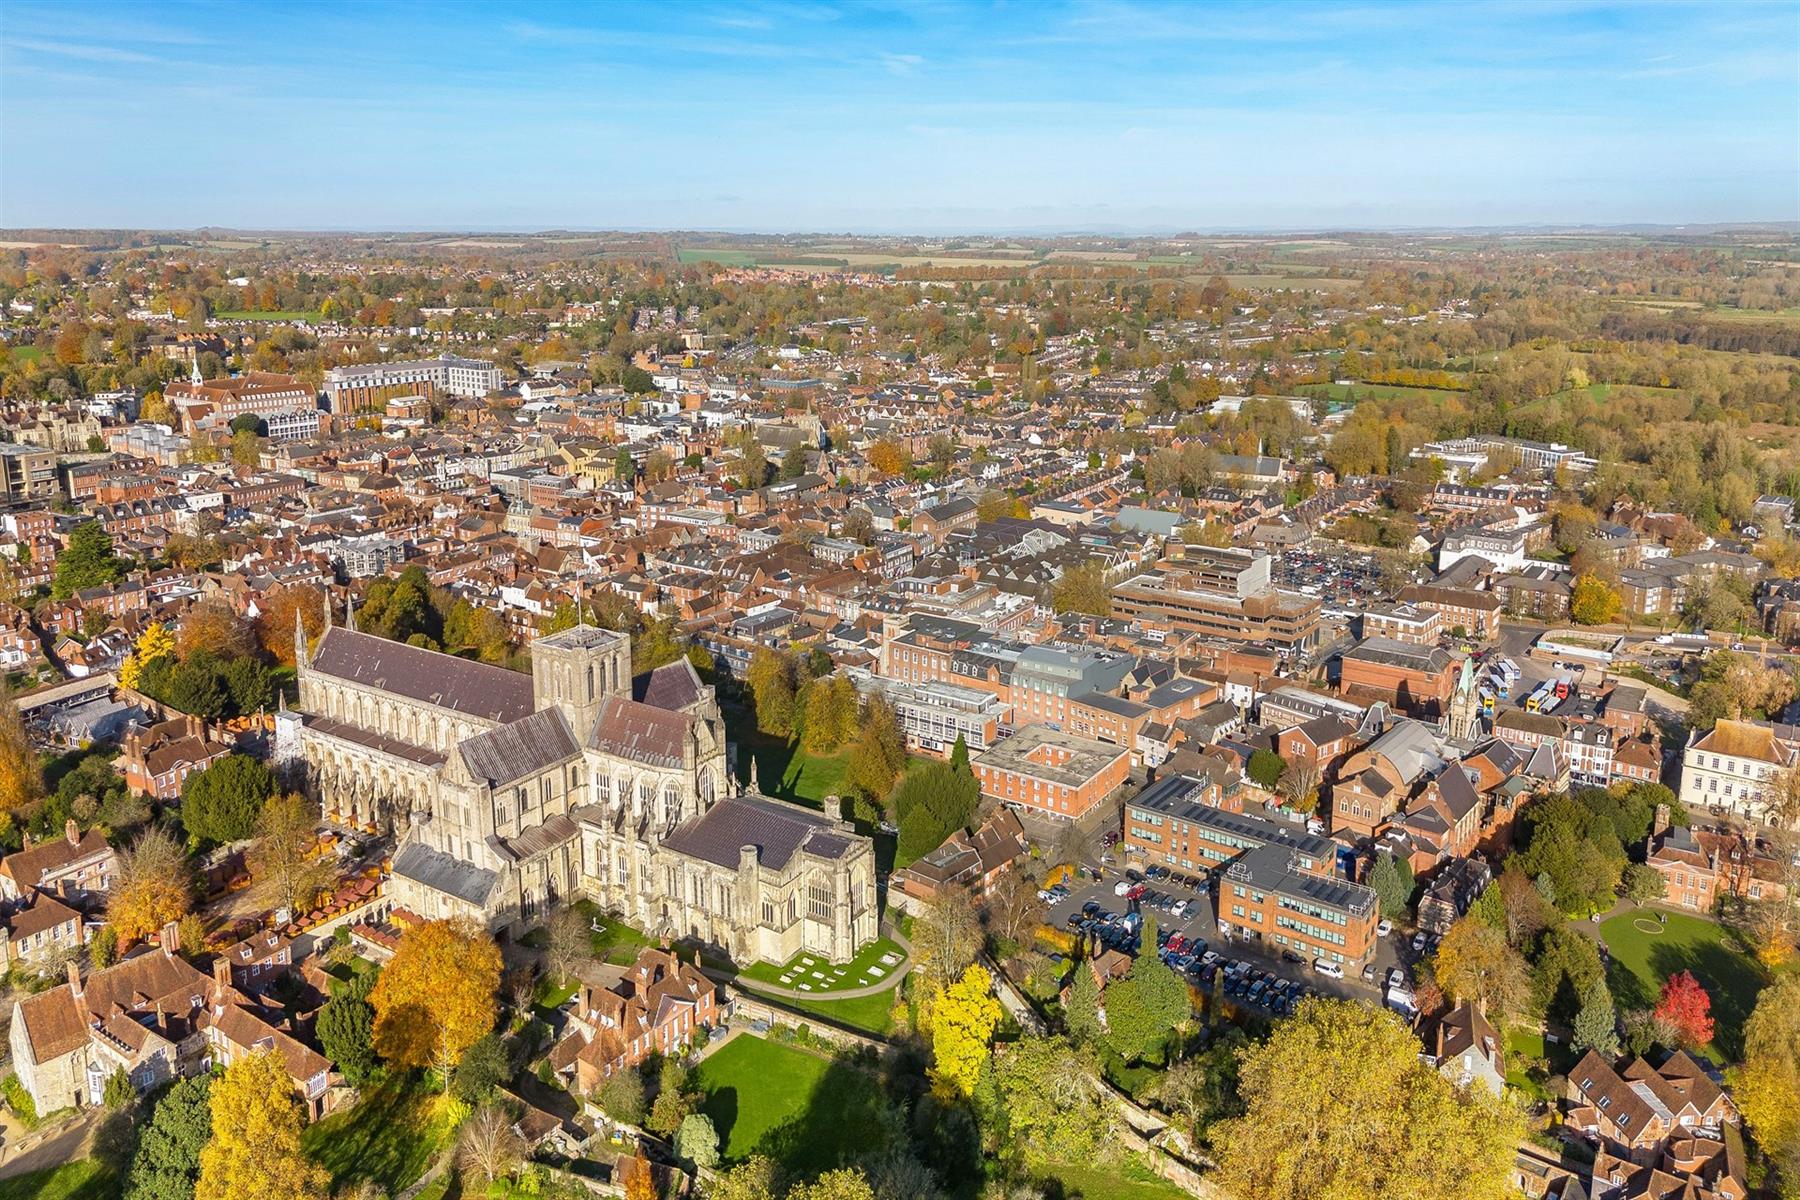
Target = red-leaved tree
(1686,1006)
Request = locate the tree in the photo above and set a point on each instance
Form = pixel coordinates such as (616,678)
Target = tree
(878,754)
(1596,1023)
(246,448)
(1265,769)
(103,948)
(1053,1111)
(346,1031)
(283,860)
(87,561)
(931,803)
(566,943)
(1642,882)
(1203,1089)
(167,1162)
(155,642)
(223,802)
(154,886)
(858,526)
(1146,1005)
(255,1148)
(843,1184)
(1299,784)
(1474,963)
(1339,1078)
(636,1179)
(637,381)
(1685,1005)
(488,1146)
(1392,880)
(946,936)
(753,464)
(624,466)
(1765,1084)
(770,678)
(118,1092)
(959,754)
(941,449)
(275,620)
(212,626)
(622,1097)
(436,997)
(963,1019)
(1081,1016)
(21,774)
(756,1178)
(889,457)
(1083,589)
(697,1142)
(793,463)
(1594,602)
(675,1099)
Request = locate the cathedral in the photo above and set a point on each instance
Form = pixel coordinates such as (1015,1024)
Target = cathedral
(508,794)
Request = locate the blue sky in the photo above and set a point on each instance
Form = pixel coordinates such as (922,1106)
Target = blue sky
(929,117)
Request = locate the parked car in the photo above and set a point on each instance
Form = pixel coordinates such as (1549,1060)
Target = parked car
(1368,973)
(1329,969)
(1180,908)
(1396,978)
(1121,887)
(1418,942)
(1386,927)
(1293,956)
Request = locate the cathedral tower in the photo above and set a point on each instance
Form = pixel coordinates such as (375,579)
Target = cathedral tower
(578,668)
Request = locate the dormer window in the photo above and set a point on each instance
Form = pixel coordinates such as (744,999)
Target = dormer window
(1624,1120)
(1605,1101)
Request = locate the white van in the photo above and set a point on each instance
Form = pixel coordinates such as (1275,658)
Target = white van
(1326,967)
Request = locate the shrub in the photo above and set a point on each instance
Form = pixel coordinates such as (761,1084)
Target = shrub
(19,1100)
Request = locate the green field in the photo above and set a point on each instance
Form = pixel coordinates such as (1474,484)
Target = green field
(284,315)
(390,1136)
(25,354)
(873,1015)
(1378,391)
(83,1180)
(808,1113)
(1641,961)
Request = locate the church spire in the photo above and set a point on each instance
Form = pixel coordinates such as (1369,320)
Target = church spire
(301,657)
(350,613)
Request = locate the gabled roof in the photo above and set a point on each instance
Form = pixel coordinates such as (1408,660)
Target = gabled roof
(641,732)
(441,680)
(777,830)
(520,749)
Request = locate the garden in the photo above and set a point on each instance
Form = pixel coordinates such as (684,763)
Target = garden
(805,1111)
(1647,950)
(390,1137)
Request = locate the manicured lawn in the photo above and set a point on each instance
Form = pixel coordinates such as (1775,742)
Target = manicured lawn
(807,1113)
(1129,1180)
(1642,960)
(391,1136)
(552,995)
(84,1180)
(868,1014)
(820,975)
(614,941)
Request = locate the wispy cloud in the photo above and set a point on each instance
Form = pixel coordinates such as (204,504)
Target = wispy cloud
(901,64)
(86,51)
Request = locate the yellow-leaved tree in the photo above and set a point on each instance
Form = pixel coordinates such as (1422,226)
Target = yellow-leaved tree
(154,886)
(963,1020)
(435,999)
(1337,1103)
(255,1147)
(21,775)
(155,642)
(1767,1081)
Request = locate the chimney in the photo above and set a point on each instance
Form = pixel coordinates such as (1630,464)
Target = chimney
(72,832)
(1660,825)
(170,938)
(74,978)
(222,971)
(834,810)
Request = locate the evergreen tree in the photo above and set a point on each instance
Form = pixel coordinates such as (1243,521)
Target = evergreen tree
(1596,1023)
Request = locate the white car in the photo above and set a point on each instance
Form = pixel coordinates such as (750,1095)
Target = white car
(1329,969)
(1383,929)
(1180,909)
(1121,887)
(1396,978)
(1418,942)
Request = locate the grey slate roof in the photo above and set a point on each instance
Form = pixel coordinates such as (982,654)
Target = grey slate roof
(672,687)
(777,830)
(438,871)
(444,680)
(640,732)
(520,749)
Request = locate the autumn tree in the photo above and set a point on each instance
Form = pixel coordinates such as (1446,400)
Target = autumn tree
(275,621)
(1341,1077)
(878,754)
(1083,589)
(155,642)
(212,626)
(1474,963)
(436,996)
(154,886)
(1687,1008)
(255,1148)
(890,457)
(1594,602)
(1765,1084)
(946,936)
(21,774)
(284,859)
(771,680)
(963,1019)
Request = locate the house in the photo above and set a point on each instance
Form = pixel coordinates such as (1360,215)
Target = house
(157,761)
(1452,890)
(1729,768)
(41,930)
(654,1008)
(1667,1131)
(234,1029)
(974,861)
(1468,1050)
(77,866)
(1700,866)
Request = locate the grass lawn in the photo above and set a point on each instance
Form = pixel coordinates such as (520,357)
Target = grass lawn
(807,1113)
(84,1180)
(1129,1180)
(1642,960)
(1530,1061)
(802,968)
(25,354)
(614,941)
(390,1136)
(552,996)
(868,1014)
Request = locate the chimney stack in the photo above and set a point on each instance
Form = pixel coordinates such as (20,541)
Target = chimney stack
(170,938)
(72,832)
(75,978)
(222,971)
(834,809)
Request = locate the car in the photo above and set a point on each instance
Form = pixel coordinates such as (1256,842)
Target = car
(1384,928)
(1180,908)
(1328,969)
(1368,973)
(1293,956)
(1418,942)
(1075,919)
(1135,876)
(1122,887)
(1210,958)
(1396,978)
(1091,907)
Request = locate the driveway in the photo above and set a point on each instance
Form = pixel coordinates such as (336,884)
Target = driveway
(24,1152)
